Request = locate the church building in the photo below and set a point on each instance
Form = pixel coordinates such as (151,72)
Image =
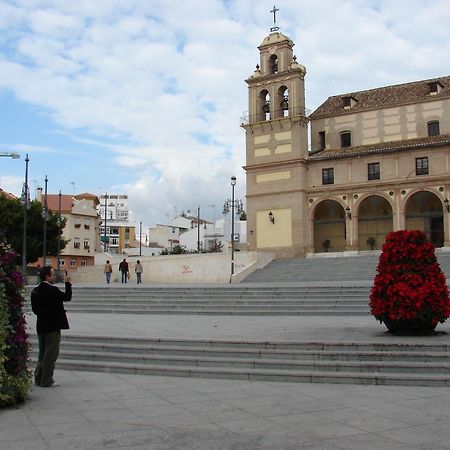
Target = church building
(340,178)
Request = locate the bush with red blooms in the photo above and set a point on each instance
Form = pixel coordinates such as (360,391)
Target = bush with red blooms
(410,291)
(14,375)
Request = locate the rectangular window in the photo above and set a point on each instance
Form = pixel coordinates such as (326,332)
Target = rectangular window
(83,263)
(328,176)
(422,166)
(86,244)
(73,262)
(373,171)
(346,139)
(321,140)
(61,262)
(433,128)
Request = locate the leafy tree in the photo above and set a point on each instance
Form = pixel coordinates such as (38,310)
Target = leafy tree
(11,225)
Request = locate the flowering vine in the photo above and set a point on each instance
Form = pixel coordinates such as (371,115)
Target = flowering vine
(14,375)
(410,285)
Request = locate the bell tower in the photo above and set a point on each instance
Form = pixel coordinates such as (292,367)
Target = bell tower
(276,150)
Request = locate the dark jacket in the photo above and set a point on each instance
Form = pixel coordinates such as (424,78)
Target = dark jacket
(47,303)
(123,267)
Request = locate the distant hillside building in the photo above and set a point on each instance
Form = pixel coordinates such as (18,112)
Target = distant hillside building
(379,161)
(120,232)
(81,230)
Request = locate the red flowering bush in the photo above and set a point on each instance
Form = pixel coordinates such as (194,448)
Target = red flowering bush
(14,374)
(409,290)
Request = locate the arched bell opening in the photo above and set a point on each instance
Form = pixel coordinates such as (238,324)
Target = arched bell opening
(264,105)
(329,227)
(424,211)
(375,221)
(273,63)
(283,101)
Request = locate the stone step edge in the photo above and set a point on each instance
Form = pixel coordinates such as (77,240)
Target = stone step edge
(153,349)
(199,361)
(249,343)
(263,374)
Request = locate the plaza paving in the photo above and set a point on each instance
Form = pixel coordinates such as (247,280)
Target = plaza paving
(116,411)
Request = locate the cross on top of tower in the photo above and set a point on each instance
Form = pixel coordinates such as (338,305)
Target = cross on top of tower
(274,11)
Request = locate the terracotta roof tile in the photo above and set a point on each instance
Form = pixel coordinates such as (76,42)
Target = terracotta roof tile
(382,147)
(383,97)
(53,202)
(7,195)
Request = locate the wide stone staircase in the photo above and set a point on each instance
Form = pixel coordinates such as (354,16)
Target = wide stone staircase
(340,362)
(330,269)
(223,300)
(327,287)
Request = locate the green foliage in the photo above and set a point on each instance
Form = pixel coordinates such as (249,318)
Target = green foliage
(11,222)
(217,246)
(15,378)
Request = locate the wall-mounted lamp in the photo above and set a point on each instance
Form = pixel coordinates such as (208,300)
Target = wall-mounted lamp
(271,218)
(348,213)
(447,205)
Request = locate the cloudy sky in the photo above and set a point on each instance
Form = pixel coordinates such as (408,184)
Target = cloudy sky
(144,97)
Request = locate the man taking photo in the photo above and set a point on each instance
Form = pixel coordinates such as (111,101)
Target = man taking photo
(47,302)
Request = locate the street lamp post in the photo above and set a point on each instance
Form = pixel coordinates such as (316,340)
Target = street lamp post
(140,238)
(58,255)
(45,217)
(26,205)
(105,248)
(233,184)
(198,229)
(12,155)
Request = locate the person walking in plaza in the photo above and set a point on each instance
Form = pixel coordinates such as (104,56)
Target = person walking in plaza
(123,268)
(47,302)
(138,269)
(108,271)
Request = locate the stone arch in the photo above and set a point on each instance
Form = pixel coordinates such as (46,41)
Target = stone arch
(329,225)
(375,221)
(424,211)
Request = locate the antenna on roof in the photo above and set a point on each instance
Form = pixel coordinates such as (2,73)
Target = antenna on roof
(274,11)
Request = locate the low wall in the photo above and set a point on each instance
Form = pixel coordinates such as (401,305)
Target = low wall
(191,268)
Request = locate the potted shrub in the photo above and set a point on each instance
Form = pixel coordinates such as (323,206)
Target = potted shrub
(326,244)
(410,293)
(371,242)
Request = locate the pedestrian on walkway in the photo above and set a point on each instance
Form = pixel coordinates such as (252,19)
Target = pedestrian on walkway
(138,269)
(123,268)
(108,271)
(47,302)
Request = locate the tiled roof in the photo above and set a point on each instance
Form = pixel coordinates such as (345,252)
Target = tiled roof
(382,147)
(88,196)
(7,195)
(383,97)
(53,202)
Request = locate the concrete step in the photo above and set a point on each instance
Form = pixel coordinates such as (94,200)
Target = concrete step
(367,363)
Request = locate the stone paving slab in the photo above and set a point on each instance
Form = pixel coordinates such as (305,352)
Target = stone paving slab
(114,411)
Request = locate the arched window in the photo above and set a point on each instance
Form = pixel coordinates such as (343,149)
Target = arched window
(273,64)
